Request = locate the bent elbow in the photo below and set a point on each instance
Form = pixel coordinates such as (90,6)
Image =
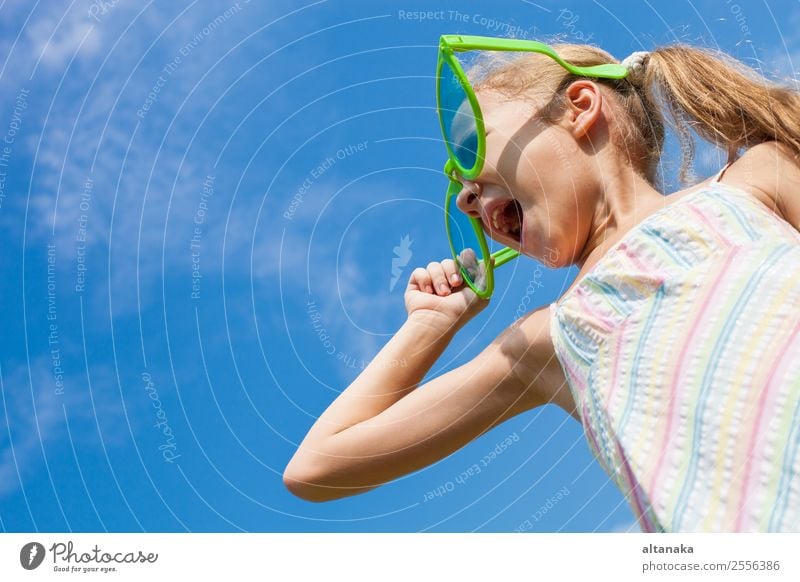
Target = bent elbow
(305,487)
(311,482)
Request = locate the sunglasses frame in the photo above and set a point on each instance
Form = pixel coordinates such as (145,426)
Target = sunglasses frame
(449,45)
(498,258)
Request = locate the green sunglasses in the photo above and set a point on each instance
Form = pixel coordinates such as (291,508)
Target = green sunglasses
(462,126)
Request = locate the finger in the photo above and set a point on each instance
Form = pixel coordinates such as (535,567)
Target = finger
(422,280)
(468,258)
(451,271)
(438,279)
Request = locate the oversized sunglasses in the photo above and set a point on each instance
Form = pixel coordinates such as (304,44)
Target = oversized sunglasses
(464,135)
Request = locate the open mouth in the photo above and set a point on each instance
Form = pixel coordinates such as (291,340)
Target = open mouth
(506,220)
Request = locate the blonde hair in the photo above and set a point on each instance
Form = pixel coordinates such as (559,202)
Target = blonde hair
(723,100)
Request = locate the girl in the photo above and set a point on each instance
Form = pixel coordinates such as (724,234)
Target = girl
(678,344)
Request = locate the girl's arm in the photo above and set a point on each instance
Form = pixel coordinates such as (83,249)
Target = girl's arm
(381,427)
(394,372)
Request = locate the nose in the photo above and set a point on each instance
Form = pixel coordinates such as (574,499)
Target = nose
(467,200)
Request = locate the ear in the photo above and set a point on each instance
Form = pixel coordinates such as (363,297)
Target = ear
(584,102)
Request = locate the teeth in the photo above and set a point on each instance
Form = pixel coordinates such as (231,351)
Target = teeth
(501,225)
(495,215)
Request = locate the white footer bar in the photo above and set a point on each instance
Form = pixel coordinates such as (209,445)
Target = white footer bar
(390,557)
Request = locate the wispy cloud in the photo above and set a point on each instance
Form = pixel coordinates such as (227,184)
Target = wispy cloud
(60,33)
(35,413)
(32,413)
(145,183)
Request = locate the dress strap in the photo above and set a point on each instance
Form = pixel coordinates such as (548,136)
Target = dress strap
(719,174)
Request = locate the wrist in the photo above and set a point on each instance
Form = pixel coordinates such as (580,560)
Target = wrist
(433,321)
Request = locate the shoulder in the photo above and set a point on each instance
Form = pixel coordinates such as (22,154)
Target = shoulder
(528,345)
(770,171)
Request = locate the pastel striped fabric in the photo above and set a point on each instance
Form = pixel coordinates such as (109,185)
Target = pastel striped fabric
(681,347)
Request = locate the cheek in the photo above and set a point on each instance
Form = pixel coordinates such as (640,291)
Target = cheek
(545,165)
(545,179)
(551,234)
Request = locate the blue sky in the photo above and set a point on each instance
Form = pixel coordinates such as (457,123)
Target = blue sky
(199,208)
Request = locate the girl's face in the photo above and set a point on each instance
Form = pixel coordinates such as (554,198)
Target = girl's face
(528,194)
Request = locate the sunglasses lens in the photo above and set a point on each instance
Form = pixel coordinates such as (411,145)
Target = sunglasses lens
(458,118)
(467,248)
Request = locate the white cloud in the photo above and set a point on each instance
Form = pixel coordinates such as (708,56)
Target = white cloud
(35,417)
(55,36)
(145,182)
(25,421)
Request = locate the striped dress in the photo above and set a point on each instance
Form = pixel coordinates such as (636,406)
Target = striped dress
(681,348)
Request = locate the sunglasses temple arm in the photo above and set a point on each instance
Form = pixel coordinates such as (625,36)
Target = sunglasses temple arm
(502,256)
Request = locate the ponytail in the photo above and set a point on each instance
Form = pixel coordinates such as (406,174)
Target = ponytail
(724,101)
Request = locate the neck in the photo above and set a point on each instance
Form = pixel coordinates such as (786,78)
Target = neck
(624,199)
